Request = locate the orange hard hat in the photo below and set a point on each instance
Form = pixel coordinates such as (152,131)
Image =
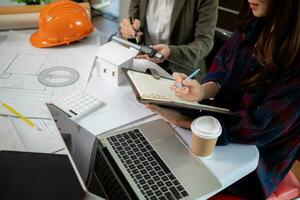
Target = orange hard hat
(61,22)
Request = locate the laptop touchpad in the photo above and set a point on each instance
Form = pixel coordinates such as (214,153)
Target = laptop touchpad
(189,169)
(157,131)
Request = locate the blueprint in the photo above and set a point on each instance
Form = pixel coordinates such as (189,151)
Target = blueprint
(9,137)
(22,67)
(29,106)
(48,140)
(30,77)
(18,136)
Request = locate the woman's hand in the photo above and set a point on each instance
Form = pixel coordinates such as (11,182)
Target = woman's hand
(191,90)
(160,48)
(129,30)
(171,115)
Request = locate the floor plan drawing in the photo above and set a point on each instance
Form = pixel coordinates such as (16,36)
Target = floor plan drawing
(55,71)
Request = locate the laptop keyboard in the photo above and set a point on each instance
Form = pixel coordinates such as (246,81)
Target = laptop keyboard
(148,170)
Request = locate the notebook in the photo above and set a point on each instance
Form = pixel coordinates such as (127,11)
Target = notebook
(149,89)
(147,161)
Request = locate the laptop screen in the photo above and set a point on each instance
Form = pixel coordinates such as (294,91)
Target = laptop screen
(78,140)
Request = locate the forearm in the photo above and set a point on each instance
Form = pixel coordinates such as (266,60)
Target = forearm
(199,38)
(183,122)
(191,54)
(210,89)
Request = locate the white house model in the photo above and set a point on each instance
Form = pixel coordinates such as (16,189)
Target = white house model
(112,57)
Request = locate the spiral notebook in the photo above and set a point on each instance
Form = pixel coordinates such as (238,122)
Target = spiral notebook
(150,89)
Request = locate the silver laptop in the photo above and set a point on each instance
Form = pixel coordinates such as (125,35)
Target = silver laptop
(148,161)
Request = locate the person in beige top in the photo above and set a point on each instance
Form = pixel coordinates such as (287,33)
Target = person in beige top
(181,30)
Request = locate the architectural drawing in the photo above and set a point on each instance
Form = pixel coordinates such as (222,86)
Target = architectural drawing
(58,76)
(23,68)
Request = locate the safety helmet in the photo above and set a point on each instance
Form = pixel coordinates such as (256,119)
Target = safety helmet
(61,22)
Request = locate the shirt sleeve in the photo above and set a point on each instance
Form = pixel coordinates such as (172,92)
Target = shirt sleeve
(134,9)
(277,116)
(200,47)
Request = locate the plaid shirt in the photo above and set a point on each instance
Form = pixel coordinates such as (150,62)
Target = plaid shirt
(268,117)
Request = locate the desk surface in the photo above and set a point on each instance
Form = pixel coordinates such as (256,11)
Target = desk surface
(228,163)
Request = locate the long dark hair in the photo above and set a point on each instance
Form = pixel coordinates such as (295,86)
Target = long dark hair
(278,45)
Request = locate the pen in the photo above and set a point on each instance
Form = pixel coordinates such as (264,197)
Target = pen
(22,117)
(179,85)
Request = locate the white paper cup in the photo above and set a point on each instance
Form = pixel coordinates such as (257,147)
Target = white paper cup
(206,130)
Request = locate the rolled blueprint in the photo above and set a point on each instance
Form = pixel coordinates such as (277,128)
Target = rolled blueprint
(19,21)
(21,17)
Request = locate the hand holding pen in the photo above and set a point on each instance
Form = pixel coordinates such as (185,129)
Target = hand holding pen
(186,88)
(136,26)
(179,84)
(129,28)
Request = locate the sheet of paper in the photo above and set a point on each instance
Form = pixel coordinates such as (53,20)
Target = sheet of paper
(156,89)
(16,134)
(22,67)
(9,138)
(120,108)
(29,106)
(46,140)
(143,64)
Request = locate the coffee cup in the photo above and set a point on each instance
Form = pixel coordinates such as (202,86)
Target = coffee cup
(205,132)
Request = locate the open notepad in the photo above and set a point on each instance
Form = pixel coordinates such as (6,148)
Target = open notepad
(157,91)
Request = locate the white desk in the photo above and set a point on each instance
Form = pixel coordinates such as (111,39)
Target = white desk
(228,163)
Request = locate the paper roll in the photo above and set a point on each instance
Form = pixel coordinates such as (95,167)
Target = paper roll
(6,10)
(21,17)
(19,21)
